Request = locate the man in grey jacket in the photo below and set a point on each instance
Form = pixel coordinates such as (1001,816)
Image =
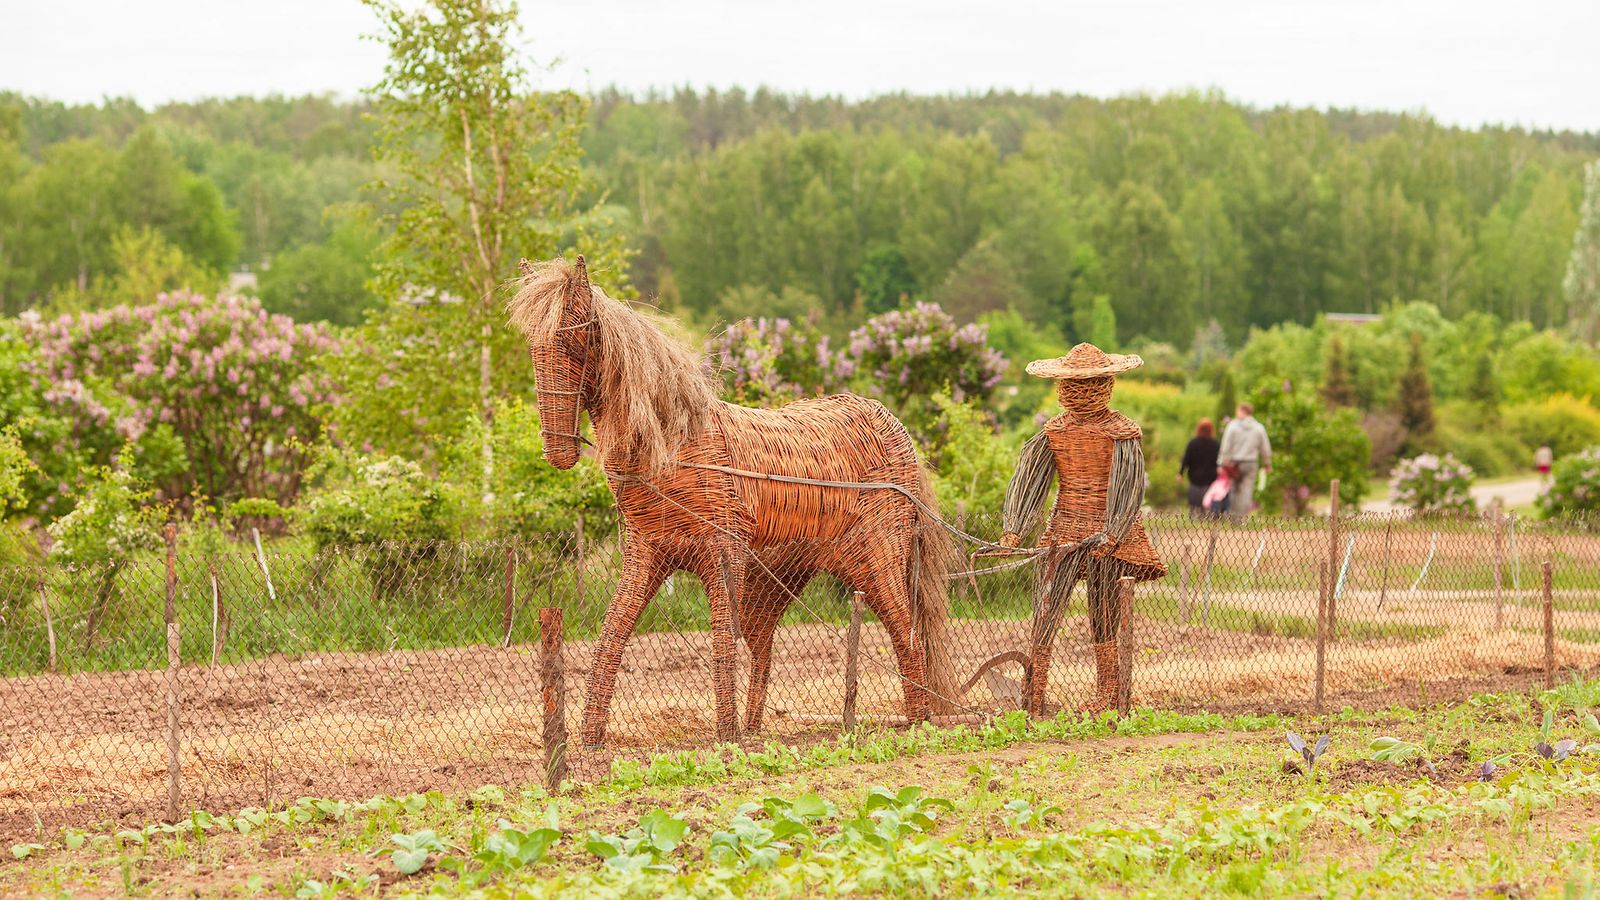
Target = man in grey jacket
(1245,450)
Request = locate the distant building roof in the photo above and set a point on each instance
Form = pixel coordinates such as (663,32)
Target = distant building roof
(1353,318)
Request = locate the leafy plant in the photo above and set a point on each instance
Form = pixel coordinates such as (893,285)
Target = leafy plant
(1429,484)
(512,848)
(1022,814)
(644,848)
(1308,752)
(413,850)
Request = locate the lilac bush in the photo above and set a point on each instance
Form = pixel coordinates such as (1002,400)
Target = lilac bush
(920,351)
(769,361)
(1574,488)
(1432,485)
(222,391)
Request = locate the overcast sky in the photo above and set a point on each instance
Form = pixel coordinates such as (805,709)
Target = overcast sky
(1528,62)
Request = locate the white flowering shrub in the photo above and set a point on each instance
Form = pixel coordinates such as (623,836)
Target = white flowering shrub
(369,499)
(113,519)
(1432,485)
(1574,489)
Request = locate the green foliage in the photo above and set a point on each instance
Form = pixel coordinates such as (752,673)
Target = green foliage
(1581,284)
(972,465)
(1574,490)
(884,279)
(1565,423)
(530,497)
(1416,395)
(16,470)
(325,281)
(357,498)
(1336,387)
(1310,447)
(143,264)
(113,519)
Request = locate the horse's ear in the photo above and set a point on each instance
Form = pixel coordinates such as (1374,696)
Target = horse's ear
(581,298)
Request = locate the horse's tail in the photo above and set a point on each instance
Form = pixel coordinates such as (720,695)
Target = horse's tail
(936,553)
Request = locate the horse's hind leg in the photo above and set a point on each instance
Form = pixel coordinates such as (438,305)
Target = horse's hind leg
(889,597)
(642,573)
(762,605)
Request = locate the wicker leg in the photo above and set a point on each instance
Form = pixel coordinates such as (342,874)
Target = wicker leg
(890,601)
(724,582)
(1050,607)
(642,574)
(765,600)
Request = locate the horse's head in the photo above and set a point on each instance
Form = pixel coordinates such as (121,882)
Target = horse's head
(555,309)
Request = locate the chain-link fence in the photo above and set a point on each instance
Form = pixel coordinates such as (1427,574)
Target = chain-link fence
(260,674)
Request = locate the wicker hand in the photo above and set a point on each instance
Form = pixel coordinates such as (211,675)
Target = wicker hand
(1010,539)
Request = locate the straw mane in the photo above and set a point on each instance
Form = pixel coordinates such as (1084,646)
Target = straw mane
(650,393)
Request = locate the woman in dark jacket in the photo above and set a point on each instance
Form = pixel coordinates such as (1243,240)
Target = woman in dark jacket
(1200,464)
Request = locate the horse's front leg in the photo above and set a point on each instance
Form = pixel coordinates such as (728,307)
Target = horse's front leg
(722,572)
(643,570)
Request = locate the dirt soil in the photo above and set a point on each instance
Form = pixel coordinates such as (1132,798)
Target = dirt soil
(89,747)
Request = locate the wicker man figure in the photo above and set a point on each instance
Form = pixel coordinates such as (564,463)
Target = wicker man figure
(1097,458)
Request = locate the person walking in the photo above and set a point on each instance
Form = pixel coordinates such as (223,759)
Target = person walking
(1247,450)
(1200,465)
(1543,459)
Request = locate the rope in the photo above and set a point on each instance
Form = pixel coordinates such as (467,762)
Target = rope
(864,486)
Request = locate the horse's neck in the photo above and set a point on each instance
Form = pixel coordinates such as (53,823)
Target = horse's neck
(608,436)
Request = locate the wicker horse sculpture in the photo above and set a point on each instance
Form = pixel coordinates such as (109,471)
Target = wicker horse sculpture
(754,502)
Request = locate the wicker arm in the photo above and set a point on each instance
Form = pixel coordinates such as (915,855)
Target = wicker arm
(1125,494)
(1028,490)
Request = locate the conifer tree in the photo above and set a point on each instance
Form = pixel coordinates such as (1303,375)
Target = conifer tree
(1416,396)
(1337,388)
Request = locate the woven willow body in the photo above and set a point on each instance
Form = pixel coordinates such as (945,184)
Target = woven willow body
(673,458)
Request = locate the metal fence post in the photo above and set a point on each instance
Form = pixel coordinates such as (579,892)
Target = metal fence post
(852,662)
(1323,590)
(508,601)
(1124,645)
(1334,566)
(174,765)
(1549,628)
(1499,565)
(552,680)
(49,623)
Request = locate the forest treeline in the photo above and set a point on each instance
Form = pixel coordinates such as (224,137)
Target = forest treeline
(1171,212)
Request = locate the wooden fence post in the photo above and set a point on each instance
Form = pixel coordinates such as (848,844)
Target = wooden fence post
(1549,629)
(49,623)
(1124,645)
(508,601)
(852,661)
(1499,565)
(174,775)
(552,680)
(1323,590)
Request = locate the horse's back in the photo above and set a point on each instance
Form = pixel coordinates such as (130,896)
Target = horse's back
(840,438)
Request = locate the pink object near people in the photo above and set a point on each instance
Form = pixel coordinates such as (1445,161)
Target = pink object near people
(1218,491)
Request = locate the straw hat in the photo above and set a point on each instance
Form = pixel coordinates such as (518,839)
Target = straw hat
(1084,361)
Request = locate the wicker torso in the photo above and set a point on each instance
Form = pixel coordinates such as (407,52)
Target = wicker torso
(1083,452)
(838,438)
